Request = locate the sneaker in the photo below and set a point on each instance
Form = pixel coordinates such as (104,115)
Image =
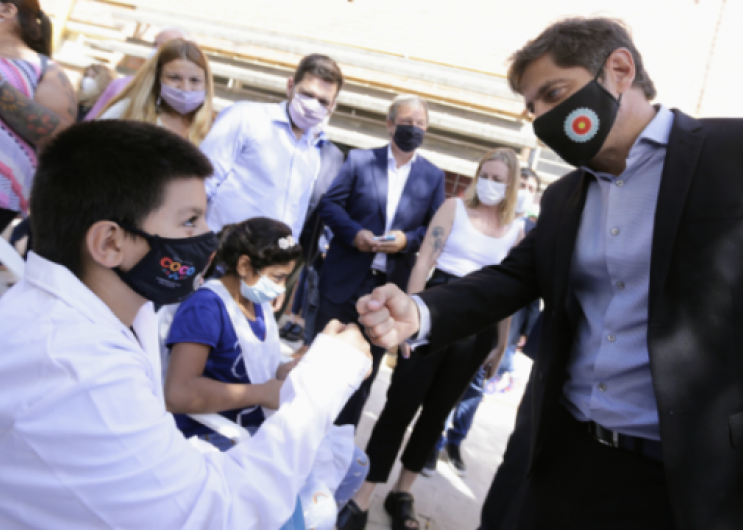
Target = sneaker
(429,469)
(285,328)
(295,333)
(455,459)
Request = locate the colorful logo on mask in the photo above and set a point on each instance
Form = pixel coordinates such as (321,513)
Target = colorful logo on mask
(176,271)
(581,125)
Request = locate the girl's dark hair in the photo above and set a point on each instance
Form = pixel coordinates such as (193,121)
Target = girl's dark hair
(259,238)
(35,26)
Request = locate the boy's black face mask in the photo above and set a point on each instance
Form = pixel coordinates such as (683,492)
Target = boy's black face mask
(172,269)
(577,128)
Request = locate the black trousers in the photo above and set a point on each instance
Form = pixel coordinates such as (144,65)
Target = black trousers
(579,483)
(502,506)
(435,382)
(346,313)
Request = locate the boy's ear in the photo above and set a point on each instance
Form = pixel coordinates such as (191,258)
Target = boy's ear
(104,243)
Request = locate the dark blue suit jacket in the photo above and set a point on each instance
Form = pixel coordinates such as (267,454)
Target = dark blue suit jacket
(357,200)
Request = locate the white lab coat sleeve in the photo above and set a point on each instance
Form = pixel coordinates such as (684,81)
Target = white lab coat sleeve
(120,459)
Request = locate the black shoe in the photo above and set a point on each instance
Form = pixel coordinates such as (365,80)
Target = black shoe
(285,328)
(429,469)
(295,333)
(351,517)
(455,459)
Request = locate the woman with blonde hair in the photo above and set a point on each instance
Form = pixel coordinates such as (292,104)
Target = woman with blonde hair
(465,235)
(94,81)
(173,89)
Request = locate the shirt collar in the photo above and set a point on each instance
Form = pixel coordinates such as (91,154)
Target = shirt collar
(659,129)
(656,132)
(391,158)
(321,139)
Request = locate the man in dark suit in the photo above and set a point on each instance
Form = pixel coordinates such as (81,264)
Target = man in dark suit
(378,209)
(637,413)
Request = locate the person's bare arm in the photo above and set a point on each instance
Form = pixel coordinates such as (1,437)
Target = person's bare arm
(433,244)
(53,108)
(496,354)
(187,391)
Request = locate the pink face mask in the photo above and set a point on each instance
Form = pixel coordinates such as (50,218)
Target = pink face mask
(182,101)
(306,112)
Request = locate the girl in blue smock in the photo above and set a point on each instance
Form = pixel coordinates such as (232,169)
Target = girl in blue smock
(225,357)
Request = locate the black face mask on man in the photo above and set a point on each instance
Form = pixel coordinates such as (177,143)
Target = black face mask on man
(577,128)
(172,269)
(408,137)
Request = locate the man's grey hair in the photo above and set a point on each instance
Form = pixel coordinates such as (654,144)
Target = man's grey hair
(405,100)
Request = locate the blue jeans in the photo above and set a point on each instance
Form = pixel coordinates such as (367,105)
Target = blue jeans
(296,522)
(463,415)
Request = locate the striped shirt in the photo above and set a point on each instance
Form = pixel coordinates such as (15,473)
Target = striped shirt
(17,156)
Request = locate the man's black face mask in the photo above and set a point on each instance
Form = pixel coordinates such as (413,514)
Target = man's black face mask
(577,128)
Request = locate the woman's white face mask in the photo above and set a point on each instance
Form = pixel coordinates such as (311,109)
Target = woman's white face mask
(490,192)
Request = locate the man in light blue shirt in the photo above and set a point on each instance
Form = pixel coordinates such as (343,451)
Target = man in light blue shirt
(265,155)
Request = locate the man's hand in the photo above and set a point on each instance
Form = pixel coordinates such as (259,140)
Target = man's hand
(391,247)
(364,241)
(271,390)
(492,361)
(389,316)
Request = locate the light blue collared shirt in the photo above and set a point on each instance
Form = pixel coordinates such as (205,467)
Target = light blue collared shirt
(260,168)
(610,381)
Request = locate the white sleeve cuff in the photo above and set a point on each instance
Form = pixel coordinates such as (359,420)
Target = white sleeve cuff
(424,324)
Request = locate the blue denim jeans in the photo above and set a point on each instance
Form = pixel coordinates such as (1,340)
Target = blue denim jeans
(296,522)
(463,415)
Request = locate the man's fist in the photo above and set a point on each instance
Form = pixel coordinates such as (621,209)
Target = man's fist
(389,315)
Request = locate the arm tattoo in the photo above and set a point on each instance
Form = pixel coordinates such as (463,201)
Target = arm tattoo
(438,240)
(31,121)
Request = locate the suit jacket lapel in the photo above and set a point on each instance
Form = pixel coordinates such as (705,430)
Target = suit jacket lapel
(381,181)
(566,236)
(684,148)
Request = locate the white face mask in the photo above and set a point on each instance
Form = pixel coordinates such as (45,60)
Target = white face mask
(490,192)
(523,201)
(88,85)
(263,291)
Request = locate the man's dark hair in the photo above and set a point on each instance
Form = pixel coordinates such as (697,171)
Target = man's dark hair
(321,66)
(584,42)
(530,173)
(104,170)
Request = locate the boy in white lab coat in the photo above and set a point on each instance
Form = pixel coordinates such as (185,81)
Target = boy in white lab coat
(85,440)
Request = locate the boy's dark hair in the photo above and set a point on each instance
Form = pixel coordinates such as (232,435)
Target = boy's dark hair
(259,239)
(321,66)
(104,170)
(584,42)
(530,173)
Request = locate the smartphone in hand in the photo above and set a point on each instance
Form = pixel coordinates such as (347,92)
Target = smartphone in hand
(386,237)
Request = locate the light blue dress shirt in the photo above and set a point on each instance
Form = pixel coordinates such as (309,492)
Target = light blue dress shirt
(260,168)
(609,369)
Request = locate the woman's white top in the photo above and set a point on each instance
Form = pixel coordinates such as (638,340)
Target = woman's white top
(467,249)
(116,111)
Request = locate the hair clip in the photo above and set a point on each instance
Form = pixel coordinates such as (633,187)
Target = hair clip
(286,242)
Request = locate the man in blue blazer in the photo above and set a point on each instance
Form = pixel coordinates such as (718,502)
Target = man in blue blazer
(378,209)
